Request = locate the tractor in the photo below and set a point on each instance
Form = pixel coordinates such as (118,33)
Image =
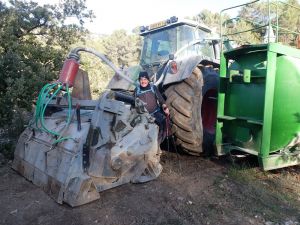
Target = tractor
(182,59)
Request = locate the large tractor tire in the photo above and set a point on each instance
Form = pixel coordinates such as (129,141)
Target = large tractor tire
(209,108)
(184,100)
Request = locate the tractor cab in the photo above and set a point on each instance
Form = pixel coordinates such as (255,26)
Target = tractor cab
(175,46)
(173,38)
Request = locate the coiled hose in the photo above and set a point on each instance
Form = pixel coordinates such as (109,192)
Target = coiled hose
(48,92)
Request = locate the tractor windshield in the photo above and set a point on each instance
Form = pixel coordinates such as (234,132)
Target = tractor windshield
(159,44)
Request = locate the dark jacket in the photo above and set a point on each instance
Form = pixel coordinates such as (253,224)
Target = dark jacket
(151,96)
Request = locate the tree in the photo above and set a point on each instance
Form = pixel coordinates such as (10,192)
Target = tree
(34,40)
(99,73)
(210,19)
(122,49)
(289,20)
(240,32)
(257,15)
(119,47)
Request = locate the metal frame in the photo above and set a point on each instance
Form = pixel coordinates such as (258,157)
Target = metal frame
(268,24)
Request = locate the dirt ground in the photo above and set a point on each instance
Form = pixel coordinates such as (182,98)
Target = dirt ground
(190,190)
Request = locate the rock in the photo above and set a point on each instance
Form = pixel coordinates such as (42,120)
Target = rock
(180,198)
(269,223)
(14,211)
(290,222)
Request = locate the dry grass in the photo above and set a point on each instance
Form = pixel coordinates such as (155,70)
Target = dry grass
(276,191)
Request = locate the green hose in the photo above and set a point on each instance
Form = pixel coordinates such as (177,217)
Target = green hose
(69,104)
(40,100)
(60,139)
(43,112)
(44,99)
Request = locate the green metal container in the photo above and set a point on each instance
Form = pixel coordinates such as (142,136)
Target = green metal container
(259,104)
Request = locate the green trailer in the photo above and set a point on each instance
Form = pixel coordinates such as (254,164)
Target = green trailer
(258,102)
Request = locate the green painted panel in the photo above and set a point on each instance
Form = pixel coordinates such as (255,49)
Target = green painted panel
(243,103)
(245,100)
(276,161)
(268,107)
(286,106)
(255,61)
(242,134)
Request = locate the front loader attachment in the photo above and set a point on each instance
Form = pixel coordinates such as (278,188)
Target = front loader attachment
(103,144)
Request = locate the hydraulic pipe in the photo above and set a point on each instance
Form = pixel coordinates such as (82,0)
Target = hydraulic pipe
(74,54)
(78,117)
(124,97)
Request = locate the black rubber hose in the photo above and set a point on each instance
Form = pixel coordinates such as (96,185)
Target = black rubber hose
(78,117)
(124,98)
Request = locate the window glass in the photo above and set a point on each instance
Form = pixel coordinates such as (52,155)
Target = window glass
(158,45)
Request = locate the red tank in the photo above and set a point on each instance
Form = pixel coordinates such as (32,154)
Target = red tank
(68,72)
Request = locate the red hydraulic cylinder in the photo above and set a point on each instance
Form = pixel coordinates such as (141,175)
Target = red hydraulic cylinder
(68,72)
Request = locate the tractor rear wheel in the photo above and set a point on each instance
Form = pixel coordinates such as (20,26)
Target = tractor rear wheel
(184,101)
(193,109)
(209,108)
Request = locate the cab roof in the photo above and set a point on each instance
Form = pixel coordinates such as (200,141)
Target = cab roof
(171,22)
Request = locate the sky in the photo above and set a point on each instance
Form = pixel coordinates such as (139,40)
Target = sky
(127,14)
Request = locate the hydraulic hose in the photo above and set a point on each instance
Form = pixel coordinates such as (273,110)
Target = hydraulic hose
(43,101)
(66,79)
(75,54)
(41,98)
(44,108)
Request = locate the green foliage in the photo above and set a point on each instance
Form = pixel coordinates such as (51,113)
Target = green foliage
(122,49)
(34,40)
(289,19)
(254,19)
(210,19)
(250,37)
(119,47)
(99,73)
(6,149)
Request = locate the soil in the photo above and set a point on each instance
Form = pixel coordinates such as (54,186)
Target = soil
(190,190)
